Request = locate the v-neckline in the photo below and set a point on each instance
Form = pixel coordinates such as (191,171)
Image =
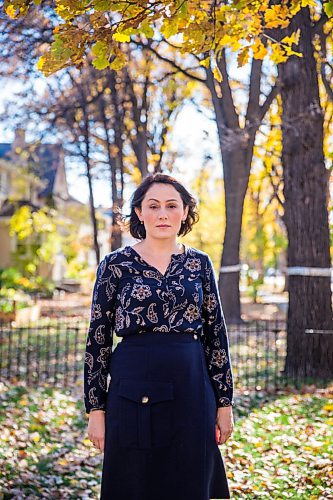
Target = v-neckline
(150,265)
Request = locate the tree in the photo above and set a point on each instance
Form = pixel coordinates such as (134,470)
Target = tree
(305,210)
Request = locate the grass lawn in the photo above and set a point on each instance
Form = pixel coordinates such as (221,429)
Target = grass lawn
(280,447)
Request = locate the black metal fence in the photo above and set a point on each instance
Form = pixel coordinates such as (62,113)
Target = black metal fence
(52,351)
(49,351)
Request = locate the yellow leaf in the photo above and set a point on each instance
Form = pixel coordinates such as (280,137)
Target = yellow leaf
(170,27)
(155,157)
(40,63)
(291,52)
(11,11)
(229,41)
(35,427)
(146,29)
(217,74)
(306,3)
(205,62)
(120,37)
(277,16)
(259,50)
(200,15)
(278,54)
(119,62)
(243,56)
(294,8)
(293,38)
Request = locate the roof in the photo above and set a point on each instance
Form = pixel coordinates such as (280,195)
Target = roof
(4,150)
(46,160)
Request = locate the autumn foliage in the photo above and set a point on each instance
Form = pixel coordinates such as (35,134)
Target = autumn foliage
(100,27)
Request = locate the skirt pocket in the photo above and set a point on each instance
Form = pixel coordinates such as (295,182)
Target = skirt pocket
(146,413)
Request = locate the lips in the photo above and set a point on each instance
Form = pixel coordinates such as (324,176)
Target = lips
(163,225)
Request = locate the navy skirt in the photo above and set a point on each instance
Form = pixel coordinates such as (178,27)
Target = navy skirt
(160,422)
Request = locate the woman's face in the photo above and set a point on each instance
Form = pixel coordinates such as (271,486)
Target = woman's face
(162,204)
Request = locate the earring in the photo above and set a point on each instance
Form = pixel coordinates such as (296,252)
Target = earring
(141,221)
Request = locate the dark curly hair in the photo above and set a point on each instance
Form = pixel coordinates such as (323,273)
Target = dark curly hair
(134,226)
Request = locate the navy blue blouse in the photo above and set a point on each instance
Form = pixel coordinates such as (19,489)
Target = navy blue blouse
(131,296)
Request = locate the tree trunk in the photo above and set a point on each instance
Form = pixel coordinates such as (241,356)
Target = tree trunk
(236,178)
(91,192)
(236,145)
(92,212)
(117,162)
(139,141)
(305,211)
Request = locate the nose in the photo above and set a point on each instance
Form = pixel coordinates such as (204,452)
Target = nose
(162,214)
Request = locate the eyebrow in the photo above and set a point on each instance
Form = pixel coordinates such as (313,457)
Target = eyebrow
(172,199)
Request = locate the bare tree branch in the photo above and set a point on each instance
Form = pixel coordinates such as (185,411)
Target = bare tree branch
(171,62)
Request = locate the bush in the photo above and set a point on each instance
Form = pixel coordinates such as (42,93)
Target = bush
(12,282)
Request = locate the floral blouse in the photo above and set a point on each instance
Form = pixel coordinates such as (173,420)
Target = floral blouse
(131,296)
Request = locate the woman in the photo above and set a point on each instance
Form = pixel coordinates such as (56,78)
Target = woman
(169,402)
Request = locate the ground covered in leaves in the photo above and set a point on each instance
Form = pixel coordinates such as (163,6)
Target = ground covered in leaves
(281,446)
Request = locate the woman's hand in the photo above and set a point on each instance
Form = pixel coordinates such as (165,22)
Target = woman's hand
(96,428)
(224,424)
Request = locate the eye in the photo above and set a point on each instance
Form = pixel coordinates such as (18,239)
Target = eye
(170,206)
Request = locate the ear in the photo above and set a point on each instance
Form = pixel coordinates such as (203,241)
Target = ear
(137,211)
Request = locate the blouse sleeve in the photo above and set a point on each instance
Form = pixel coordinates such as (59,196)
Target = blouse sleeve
(99,337)
(216,339)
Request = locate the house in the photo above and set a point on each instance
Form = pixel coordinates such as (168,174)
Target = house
(35,176)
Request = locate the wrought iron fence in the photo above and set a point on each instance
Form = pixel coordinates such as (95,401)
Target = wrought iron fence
(48,351)
(51,351)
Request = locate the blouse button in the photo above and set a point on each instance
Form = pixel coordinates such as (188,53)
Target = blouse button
(195,336)
(145,399)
